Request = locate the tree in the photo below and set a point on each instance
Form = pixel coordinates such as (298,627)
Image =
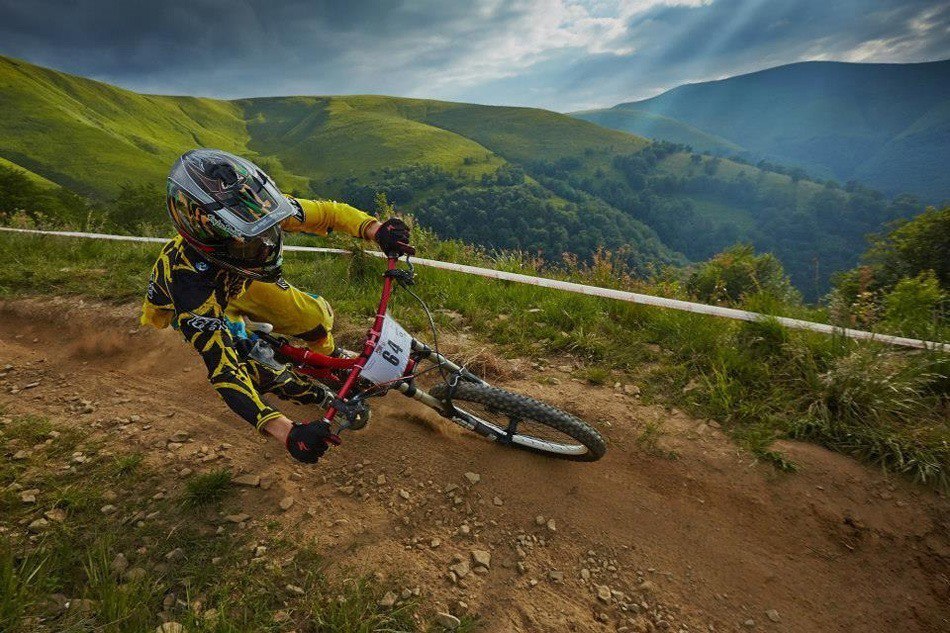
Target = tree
(904,277)
(135,205)
(912,247)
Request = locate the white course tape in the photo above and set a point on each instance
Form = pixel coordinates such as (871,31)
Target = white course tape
(594,291)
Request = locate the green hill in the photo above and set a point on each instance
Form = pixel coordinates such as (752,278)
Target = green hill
(501,177)
(887,125)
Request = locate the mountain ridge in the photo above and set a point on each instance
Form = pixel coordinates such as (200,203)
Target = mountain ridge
(835,119)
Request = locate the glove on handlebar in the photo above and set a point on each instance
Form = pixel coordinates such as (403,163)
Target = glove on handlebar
(393,238)
(308,442)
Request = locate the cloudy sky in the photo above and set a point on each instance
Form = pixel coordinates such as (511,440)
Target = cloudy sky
(558,54)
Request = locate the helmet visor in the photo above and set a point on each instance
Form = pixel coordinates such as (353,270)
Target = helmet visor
(256,252)
(246,205)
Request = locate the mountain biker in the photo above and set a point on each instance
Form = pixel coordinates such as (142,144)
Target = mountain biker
(226,262)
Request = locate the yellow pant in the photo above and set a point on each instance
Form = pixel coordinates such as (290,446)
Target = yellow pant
(291,311)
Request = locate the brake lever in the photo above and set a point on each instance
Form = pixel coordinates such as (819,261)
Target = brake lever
(402,276)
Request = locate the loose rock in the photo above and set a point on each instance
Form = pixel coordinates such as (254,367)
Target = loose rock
(237,518)
(135,574)
(176,554)
(603,593)
(388,600)
(481,557)
(170,627)
(473,478)
(773,615)
(120,563)
(286,503)
(251,481)
(82,605)
(447,621)
(56,514)
(37,525)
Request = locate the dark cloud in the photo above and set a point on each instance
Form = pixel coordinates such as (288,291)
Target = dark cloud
(561,54)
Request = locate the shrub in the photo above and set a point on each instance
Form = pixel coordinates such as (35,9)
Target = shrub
(916,305)
(738,272)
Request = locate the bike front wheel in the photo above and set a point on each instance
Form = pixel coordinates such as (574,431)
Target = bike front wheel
(520,422)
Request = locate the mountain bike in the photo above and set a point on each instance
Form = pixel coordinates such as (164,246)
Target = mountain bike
(394,360)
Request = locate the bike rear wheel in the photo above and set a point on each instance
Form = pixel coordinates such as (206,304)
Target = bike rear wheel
(521,422)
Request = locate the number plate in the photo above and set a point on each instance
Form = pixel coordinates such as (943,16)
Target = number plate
(389,359)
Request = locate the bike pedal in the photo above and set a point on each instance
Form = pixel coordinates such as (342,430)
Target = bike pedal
(361,419)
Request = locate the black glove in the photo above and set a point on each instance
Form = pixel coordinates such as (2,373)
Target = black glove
(308,442)
(393,238)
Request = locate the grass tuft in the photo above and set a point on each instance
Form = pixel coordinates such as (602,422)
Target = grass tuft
(355,610)
(649,441)
(596,375)
(127,464)
(121,605)
(208,488)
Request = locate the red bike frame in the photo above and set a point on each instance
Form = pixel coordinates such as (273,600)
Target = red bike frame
(322,366)
(334,371)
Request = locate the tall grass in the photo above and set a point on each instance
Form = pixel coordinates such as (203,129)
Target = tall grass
(887,408)
(19,577)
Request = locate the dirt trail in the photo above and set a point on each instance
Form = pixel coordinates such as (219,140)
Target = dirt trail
(708,541)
